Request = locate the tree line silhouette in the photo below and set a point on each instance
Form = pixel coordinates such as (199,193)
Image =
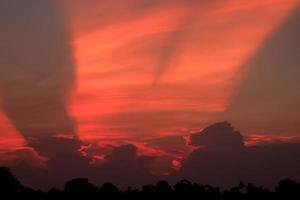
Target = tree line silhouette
(184,189)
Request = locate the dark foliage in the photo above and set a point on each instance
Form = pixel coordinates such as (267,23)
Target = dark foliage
(81,188)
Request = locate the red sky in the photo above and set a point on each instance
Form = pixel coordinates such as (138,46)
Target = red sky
(149,70)
(118,50)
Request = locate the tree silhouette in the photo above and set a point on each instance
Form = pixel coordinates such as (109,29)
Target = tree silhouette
(109,191)
(164,190)
(185,189)
(287,189)
(80,187)
(9,183)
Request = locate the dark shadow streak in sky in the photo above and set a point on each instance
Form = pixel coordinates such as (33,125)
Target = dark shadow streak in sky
(37,70)
(268,96)
(172,46)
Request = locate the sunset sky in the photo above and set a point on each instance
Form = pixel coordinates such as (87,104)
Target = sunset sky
(150,73)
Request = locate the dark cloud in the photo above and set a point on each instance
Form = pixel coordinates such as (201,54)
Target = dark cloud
(220,135)
(37,69)
(123,166)
(64,163)
(125,153)
(224,160)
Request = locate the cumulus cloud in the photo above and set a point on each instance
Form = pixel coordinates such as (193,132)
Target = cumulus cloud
(224,159)
(124,167)
(219,135)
